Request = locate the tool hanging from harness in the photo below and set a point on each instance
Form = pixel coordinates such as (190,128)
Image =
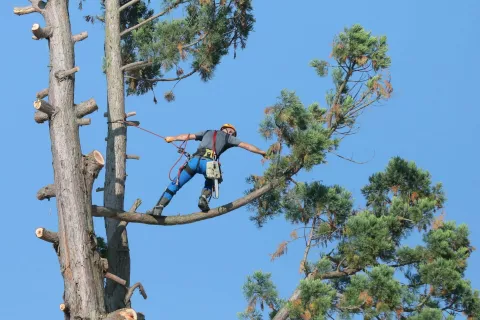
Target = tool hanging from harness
(213,167)
(213,170)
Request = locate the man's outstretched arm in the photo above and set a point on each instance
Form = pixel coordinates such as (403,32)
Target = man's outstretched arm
(252,148)
(181,137)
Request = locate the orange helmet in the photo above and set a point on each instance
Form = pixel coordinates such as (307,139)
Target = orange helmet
(228,125)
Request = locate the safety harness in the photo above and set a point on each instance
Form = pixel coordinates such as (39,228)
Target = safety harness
(213,170)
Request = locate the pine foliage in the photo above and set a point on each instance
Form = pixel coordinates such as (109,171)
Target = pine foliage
(397,257)
(193,43)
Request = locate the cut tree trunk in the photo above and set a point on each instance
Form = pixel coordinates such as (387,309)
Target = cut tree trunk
(115,173)
(79,261)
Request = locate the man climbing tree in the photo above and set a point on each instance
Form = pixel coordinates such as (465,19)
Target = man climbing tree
(142,50)
(213,144)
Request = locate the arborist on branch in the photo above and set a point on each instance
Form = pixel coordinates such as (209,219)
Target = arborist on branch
(213,144)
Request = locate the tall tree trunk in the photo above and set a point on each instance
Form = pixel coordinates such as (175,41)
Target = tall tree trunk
(80,263)
(115,175)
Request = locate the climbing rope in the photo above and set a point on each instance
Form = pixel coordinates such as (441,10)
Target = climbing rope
(181,148)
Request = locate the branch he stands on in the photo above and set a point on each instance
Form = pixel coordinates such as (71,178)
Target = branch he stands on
(181,219)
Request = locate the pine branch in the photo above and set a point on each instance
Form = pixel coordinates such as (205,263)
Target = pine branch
(158,15)
(349,159)
(282,314)
(130,291)
(136,65)
(166,79)
(196,41)
(128,4)
(307,248)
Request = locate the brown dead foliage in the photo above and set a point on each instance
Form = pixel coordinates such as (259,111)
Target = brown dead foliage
(281,250)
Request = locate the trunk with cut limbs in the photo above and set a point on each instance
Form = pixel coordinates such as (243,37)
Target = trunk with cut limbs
(79,261)
(115,175)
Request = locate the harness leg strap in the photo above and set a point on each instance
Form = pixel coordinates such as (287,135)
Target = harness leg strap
(189,170)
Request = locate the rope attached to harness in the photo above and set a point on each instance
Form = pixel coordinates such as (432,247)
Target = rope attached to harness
(181,148)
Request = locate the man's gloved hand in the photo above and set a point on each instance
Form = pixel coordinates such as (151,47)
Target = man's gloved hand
(169,139)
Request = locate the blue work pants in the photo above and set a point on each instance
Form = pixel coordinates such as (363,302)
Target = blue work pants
(198,165)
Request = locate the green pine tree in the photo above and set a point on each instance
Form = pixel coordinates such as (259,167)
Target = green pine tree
(177,48)
(365,268)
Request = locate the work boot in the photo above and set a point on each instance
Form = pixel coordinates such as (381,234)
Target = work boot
(158,209)
(203,200)
(203,203)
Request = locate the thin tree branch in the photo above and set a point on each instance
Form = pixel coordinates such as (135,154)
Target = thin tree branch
(350,159)
(20,11)
(181,219)
(136,65)
(42,94)
(60,75)
(43,106)
(158,15)
(47,235)
(46,192)
(196,41)
(41,33)
(37,6)
(123,224)
(166,79)
(80,37)
(307,248)
(40,117)
(115,278)
(83,121)
(420,305)
(282,314)
(130,291)
(87,107)
(128,4)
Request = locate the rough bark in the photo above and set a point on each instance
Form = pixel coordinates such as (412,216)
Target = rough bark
(115,173)
(79,262)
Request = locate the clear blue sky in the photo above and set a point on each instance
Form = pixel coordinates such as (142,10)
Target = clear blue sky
(197,271)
